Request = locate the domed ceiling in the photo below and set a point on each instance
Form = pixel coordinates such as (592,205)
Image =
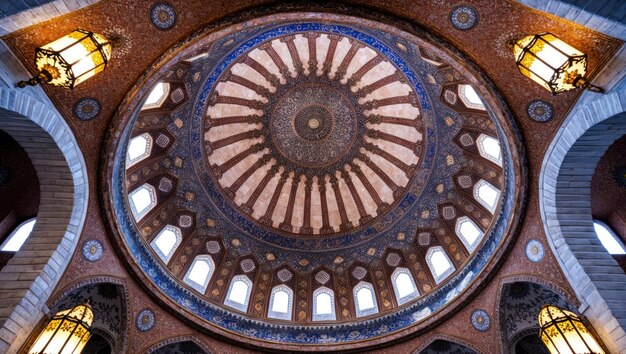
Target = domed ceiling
(318,179)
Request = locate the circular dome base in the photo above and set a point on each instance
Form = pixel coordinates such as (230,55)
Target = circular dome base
(313,160)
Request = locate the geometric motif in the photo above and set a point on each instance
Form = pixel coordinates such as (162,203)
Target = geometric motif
(480,320)
(145,320)
(247,265)
(450,97)
(162,140)
(465,181)
(163,16)
(185,221)
(177,95)
(213,247)
(284,275)
(86,108)
(448,212)
(93,250)
(534,250)
(165,185)
(359,272)
(540,111)
(464,17)
(393,259)
(322,277)
(466,140)
(423,239)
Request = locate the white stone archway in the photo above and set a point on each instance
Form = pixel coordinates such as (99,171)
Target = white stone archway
(565,205)
(29,278)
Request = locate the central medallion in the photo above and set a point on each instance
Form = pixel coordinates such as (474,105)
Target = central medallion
(313,145)
(313,125)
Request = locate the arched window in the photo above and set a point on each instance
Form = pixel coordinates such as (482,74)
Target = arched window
(142,200)
(439,263)
(139,148)
(200,272)
(238,294)
(364,299)
(468,232)
(609,239)
(487,195)
(281,303)
(470,98)
(166,242)
(16,239)
(489,148)
(157,96)
(404,285)
(323,304)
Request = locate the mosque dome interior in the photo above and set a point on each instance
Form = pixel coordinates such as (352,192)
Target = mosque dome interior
(354,176)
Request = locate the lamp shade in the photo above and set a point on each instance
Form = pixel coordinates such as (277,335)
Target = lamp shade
(549,61)
(66,333)
(72,59)
(564,333)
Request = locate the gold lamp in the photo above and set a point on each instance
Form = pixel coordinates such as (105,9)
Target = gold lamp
(564,333)
(70,60)
(66,333)
(552,63)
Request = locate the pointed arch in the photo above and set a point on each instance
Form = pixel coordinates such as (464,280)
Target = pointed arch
(487,195)
(439,263)
(166,242)
(50,144)
(281,303)
(238,295)
(519,300)
(404,286)
(108,305)
(489,148)
(200,272)
(168,345)
(142,200)
(364,299)
(565,177)
(139,148)
(464,346)
(157,95)
(323,304)
(468,232)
